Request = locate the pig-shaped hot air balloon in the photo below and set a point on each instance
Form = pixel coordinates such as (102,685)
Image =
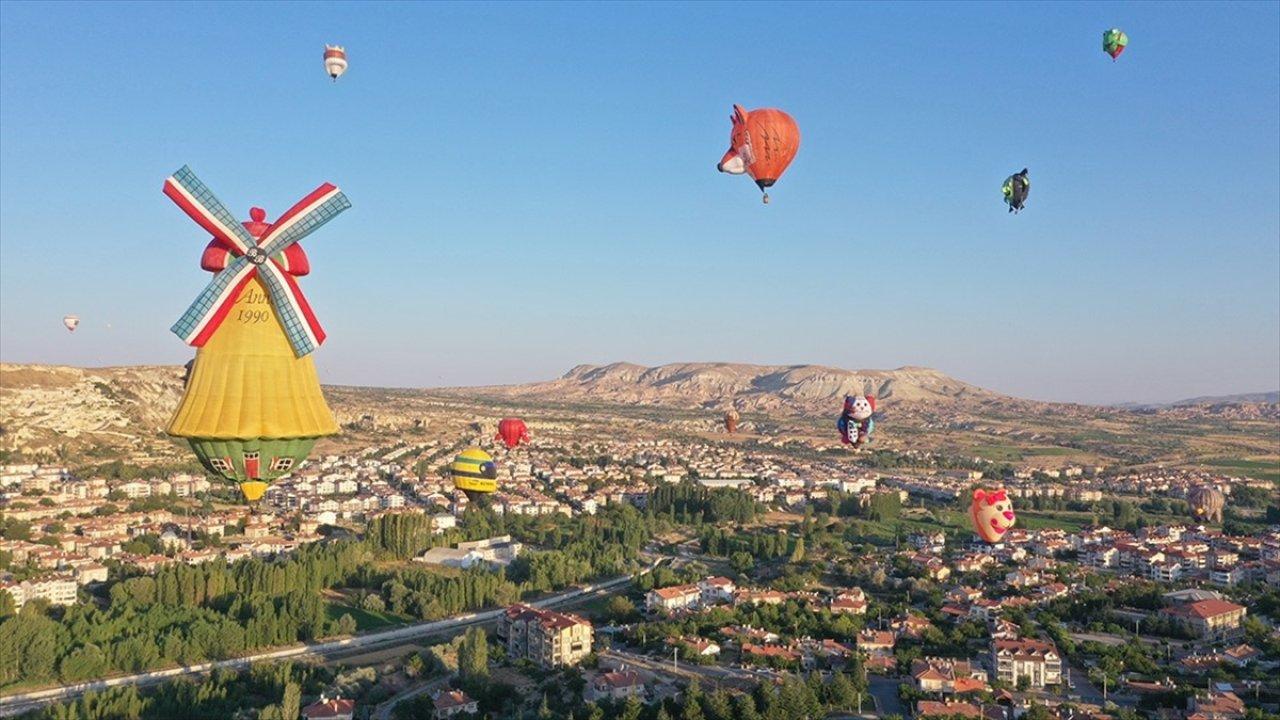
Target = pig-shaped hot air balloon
(762,144)
(512,432)
(992,514)
(855,423)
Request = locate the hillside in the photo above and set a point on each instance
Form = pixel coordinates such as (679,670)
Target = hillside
(751,387)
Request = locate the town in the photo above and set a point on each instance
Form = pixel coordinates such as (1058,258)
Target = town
(812,584)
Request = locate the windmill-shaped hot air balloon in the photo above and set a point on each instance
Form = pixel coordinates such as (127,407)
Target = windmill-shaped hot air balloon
(252,408)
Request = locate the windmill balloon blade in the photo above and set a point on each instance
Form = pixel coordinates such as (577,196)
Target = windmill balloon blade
(322,205)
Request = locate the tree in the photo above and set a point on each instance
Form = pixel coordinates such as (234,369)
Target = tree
(841,694)
(742,561)
(620,609)
(291,704)
(631,709)
(1038,712)
(797,553)
(347,625)
(473,656)
(7,607)
(744,708)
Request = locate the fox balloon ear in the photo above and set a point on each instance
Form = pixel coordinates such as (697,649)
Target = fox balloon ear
(739,114)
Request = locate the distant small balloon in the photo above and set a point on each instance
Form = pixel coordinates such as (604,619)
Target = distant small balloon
(70,322)
(512,432)
(335,61)
(1114,41)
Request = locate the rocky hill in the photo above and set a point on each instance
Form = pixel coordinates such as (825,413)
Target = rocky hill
(120,409)
(754,387)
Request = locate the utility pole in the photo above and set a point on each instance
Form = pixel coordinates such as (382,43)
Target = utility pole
(675,659)
(860,701)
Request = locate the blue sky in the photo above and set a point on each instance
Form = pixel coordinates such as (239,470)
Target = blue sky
(534,186)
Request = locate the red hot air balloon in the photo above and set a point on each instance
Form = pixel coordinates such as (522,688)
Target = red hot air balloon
(512,432)
(762,144)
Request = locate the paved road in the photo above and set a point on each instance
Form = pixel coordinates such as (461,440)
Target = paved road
(709,675)
(383,711)
(20,703)
(885,691)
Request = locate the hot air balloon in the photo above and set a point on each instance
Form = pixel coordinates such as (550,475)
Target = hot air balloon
(762,144)
(512,432)
(335,61)
(1206,503)
(70,322)
(1016,188)
(474,473)
(731,419)
(855,423)
(252,407)
(992,514)
(1114,42)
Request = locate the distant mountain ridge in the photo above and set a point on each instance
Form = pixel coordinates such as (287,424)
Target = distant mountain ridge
(1265,398)
(711,384)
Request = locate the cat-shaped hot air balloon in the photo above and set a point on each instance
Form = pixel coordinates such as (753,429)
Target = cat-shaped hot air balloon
(855,423)
(992,514)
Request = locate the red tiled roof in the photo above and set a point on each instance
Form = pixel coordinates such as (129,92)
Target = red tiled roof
(1206,609)
(452,699)
(336,707)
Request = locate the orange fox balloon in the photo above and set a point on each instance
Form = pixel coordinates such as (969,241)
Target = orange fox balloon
(762,144)
(992,514)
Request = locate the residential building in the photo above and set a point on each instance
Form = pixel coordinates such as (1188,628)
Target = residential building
(330,709)
(947,675)
(1035,660)
(57,589)
(677,597)
(618,685)
(550,639)
(453,702)
(1209,618)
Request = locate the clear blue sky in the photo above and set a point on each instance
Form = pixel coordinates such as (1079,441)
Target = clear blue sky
(534,186)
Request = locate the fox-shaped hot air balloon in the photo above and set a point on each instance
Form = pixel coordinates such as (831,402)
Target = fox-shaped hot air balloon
(762,144)
(992,514)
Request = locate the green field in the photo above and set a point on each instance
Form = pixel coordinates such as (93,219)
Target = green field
(366,619)
(1260,469)
(1013,453)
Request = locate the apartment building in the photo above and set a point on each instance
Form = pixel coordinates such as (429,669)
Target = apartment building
(1209,618)
(550,639)
(1035,660)
(57,589)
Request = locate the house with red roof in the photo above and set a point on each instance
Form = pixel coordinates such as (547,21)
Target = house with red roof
(1209,618)
(453,702)
(330,709)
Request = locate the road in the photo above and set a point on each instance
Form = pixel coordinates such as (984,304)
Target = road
(16,704)
(708,675)
(885,691)
(383,711)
